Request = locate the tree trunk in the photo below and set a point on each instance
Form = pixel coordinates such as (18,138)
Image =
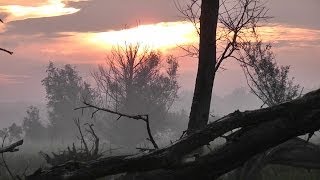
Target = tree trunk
(296,153)
(259,131)
(206,68)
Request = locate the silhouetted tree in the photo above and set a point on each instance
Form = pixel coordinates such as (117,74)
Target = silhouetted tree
(220,34)
(269,81)
(136,80)
(65,89)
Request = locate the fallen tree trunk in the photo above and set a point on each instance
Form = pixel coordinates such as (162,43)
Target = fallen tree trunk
(256,132)
(12,147)
(295,152)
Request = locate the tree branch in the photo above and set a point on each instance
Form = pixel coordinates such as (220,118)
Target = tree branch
(144,118)
(7,51)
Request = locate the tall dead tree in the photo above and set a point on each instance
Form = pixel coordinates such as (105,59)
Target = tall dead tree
(206,68)
(221,31)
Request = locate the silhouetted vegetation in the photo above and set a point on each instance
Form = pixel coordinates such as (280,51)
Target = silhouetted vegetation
(266,79)
(91,128)
(64,91)
(136,80)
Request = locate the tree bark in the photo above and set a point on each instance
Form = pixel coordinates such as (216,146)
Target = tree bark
(296,153)
(258,131)
(206,67)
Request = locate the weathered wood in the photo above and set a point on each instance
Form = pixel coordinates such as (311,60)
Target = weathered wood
(259,130)
(12,147)
(295,152)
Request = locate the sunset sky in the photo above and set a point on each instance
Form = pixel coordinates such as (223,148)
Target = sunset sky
(81,33)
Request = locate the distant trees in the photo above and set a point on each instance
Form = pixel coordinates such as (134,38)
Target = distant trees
(139,81)
(15,132)
(32,126)
(65,89)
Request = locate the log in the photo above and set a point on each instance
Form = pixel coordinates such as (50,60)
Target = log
(12,147)
(255,132)
(295,152)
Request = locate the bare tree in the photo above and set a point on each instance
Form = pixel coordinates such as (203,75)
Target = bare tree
(131,70)
(220,32)
(136,80)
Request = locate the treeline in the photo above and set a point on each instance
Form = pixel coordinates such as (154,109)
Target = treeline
(134,80)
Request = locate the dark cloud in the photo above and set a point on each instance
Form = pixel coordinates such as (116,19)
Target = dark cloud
(99,15)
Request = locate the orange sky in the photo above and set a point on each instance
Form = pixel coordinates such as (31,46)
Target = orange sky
(164,36)
(89,47)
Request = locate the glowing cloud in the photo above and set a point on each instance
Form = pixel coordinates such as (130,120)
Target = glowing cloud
(168,35)
(50,9)
(163,35)
(92,47)
(277,33)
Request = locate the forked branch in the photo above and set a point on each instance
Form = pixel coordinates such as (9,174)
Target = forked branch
(144,118)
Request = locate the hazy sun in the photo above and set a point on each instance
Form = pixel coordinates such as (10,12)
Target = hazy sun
(162,36)
(168,35)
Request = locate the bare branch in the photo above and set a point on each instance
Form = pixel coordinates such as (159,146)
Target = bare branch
(144,118)
(7,51)
(1,49)
(96,138)
(77,123)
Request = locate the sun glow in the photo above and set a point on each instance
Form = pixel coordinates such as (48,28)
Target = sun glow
(92,47)
(52,8)
(169,35)
(162,36)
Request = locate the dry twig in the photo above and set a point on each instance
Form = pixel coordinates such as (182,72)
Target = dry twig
(144,118)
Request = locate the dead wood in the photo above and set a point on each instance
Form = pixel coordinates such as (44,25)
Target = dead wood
(254,132)
(144,118)
(12,147)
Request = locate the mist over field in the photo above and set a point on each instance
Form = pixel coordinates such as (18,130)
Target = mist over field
(201,89)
